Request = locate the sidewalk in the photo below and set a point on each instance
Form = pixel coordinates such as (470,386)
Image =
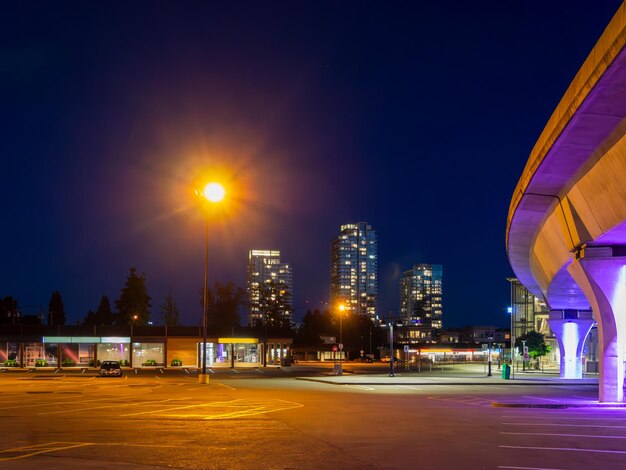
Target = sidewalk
(443,378)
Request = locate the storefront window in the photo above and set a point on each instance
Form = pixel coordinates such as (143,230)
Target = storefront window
(13,352)
(70,355)
(51,352)
(246,353)
(3,353)
(148,354)
(114,352)
(210,354)
(32,353)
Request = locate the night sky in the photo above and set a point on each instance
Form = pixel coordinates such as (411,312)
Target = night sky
(416,117)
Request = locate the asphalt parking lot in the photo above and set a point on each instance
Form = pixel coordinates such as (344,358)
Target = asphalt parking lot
(288,419)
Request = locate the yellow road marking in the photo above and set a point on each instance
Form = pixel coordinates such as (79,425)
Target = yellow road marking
(244,408)
(30,451)
(116,405)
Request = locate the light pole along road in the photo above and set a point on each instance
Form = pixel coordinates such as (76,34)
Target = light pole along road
(213,193)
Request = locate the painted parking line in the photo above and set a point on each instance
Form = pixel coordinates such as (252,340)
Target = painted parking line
(227,386)
(197,405)
(29,451)
(464,400)
(363,387)
(410,387)
(226,409)
(52,403)
(113,405)
(567,449)
(532,397)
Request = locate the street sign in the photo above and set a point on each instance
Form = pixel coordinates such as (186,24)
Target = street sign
(362,352)
(334,348)
(406,348)
(525,350)
(526,357)
(340,346)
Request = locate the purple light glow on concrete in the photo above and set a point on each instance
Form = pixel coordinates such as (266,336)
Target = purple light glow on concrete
(603,280)
(571,335)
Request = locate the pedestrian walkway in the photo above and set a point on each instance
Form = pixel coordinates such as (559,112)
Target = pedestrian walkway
(423,378)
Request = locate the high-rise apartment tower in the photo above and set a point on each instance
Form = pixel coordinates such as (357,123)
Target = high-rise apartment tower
(421,294)
(353,269)
(265,269)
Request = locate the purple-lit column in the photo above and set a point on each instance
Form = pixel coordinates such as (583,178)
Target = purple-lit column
(571,329)
(603,281)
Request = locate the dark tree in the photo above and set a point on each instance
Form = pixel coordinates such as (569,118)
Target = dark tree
(90,318)
(56,310)
(133,306)
(275,304)
(224,303)
(169,311)
(310,332)
(30,320)
(535,342)
(9,311)
(104,314)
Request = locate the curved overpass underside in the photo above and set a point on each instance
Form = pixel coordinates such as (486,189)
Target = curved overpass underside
(566,229)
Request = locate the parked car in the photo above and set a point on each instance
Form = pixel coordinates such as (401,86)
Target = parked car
(110,369)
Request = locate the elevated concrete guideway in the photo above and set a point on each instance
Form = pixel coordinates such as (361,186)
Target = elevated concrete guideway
(566,228)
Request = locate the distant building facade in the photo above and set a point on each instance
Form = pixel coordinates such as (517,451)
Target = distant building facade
(265,268)
(354,269)
(529,313)
(421,296)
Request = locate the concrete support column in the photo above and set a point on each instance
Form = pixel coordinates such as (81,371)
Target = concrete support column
(571,335)
(603,281)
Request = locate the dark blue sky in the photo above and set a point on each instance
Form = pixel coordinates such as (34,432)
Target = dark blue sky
(417,117)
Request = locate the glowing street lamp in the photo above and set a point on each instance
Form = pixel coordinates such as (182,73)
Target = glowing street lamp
(214,193)
(342,308)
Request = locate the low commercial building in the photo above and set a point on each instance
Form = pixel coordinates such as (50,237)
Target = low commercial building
(137,347)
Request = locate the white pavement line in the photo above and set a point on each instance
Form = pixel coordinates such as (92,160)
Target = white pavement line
(161,371)
(409,387)
(112,405)
(211,371)
(562,435)
(526,468)
(565,425)
(567,449)
(158,377)
(232,388)
(586,398)
(541,398)
(362,387)
(259,371)
(236,371)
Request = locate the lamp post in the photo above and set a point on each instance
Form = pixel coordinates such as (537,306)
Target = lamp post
(212,192)
(489,355)
(341,307)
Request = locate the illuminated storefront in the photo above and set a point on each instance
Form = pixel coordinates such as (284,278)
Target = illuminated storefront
(148,350)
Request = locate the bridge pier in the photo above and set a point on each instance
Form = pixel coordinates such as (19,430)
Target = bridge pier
(602,279)
(571,328)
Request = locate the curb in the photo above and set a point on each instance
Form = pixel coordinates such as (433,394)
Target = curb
(543,383)
(558,405)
